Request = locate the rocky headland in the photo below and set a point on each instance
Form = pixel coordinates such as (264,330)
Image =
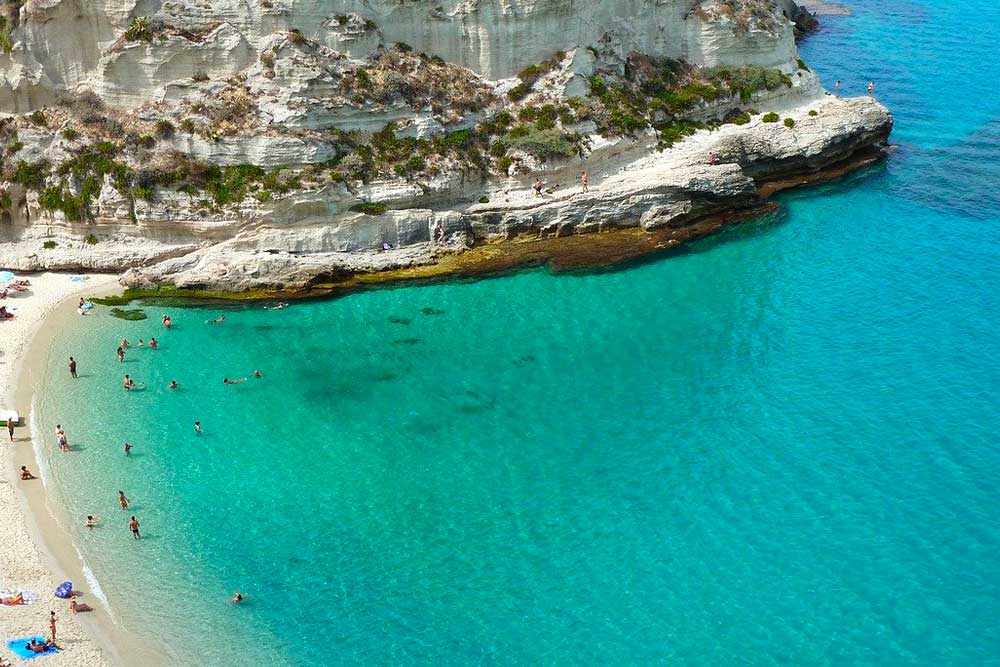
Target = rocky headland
(278,145)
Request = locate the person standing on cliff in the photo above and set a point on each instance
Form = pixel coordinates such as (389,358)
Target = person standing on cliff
(836,87)
(72,367)
(584,180)
(871,89)
(538,186)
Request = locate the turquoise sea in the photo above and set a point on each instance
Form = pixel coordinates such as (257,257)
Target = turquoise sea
(776,447)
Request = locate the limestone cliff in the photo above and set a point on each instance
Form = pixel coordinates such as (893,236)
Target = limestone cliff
(263,143)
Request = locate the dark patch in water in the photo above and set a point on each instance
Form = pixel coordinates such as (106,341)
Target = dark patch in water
(431,311)
(263,327)
(399,320)
(384,377)
(524,359)
(406,341)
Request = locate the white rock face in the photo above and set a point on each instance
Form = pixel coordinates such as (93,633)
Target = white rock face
(70,44)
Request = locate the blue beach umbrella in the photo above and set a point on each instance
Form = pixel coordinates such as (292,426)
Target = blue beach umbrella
(6,276)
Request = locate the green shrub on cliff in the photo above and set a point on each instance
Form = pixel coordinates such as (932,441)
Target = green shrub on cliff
(771,117)
(140,30)
(6,45)
(742,119)
(789,122)
(550,143)
(369,208)
(49,245)
(69,134)
(812,112)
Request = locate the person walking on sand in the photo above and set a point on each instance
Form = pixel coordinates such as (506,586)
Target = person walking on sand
(133,525)
(52,625)
(585,180)
(836,88)
(538,186)
(121,354)
(122,500)
(871,89)
(72,367)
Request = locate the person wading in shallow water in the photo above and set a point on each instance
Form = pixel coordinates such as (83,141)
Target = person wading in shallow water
(133,525)
(122,500)
(72,367)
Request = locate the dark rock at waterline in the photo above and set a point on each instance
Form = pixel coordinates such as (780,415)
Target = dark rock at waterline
(399,320)
(804,20)
(406,341)
(431,311)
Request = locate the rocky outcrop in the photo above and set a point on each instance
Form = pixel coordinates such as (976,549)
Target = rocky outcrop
(236,146)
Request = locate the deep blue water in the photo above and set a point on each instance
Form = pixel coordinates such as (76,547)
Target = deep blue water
(777,447)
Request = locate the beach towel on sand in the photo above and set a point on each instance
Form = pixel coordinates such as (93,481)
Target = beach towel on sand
(19,647)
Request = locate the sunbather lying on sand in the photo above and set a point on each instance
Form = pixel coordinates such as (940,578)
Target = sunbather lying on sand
(13,600)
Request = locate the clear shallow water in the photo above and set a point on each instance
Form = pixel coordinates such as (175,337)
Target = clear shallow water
(777,447)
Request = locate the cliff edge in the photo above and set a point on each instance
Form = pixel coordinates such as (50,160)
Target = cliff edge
(271,144)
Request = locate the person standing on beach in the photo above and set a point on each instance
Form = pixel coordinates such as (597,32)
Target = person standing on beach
(10,429)
(72,367)
(121,354)
(122,500)
(584,180)
(52,625)
(133,525)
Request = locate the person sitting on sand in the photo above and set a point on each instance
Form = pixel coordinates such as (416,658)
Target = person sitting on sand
(228,381)
(4,315)
(75,606)
(237,597)
(25,473)
(218,320)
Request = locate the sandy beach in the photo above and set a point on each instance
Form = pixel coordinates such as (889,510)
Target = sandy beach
(25,563)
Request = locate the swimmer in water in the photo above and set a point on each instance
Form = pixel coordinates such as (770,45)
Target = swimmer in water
(172,385)
(228,381)
(258,374)
(128,449)
(124,343)
(140,343)
(133,525)
(153,344)
(237,597)
(218,320)
(166,321)
(121,354)
(122,500)
(128,382)
(91,521)
(197,427)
